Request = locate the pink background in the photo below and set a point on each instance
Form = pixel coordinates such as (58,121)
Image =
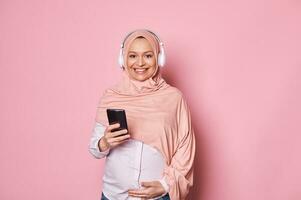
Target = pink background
(237,62)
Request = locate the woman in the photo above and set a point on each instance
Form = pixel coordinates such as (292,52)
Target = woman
(154,158)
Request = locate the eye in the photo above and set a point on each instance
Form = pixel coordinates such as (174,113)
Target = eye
(149,55)
(132,56)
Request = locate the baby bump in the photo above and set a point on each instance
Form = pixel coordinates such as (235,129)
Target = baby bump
(132,162)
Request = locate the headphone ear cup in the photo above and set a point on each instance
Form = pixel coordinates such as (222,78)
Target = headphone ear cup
(161,57)
(160,60)
(120,59)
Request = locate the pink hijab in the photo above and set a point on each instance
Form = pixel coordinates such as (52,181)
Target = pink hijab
(158,115)
(133,87)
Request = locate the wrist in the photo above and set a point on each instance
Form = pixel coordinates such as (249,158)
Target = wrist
(102,144)
(164,184)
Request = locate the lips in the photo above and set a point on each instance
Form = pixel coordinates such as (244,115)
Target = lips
(140,70)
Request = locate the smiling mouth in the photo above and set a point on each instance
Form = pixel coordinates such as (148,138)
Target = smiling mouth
(140,70)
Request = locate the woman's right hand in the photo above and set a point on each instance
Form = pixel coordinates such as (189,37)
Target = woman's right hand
(112,139)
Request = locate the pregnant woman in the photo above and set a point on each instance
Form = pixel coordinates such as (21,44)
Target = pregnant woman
(154,158)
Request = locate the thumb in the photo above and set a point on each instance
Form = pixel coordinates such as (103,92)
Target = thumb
(146,184)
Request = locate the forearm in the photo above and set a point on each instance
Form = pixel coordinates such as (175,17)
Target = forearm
(95,147)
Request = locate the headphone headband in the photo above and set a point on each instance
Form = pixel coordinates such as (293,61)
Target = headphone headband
(156,36)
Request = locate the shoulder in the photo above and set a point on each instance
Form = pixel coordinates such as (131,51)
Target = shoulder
(175,94)
(174,91)
(178,98)
(105,95)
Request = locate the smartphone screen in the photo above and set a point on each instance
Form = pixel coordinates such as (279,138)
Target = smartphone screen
(117,116)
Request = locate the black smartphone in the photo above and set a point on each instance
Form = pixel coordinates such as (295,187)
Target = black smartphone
(117,116)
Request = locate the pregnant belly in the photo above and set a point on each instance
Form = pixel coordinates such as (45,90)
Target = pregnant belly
(131,163)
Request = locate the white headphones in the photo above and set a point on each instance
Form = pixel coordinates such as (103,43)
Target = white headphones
(161,56)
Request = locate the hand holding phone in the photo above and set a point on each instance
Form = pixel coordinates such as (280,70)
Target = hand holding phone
(117,116)
(116,133)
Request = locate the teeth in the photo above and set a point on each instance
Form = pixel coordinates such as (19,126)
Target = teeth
(140,70)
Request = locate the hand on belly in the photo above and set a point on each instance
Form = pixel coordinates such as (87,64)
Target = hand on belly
(150,189)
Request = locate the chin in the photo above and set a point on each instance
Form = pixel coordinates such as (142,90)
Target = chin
(139,78)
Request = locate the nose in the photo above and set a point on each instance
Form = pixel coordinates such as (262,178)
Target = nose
(141,61)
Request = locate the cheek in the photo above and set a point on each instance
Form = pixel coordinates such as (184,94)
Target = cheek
(130,62)
(152,62)
(152,69)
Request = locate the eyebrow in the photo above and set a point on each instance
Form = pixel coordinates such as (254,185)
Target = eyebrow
(141,52)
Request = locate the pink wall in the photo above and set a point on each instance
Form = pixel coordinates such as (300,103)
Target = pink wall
(237,62)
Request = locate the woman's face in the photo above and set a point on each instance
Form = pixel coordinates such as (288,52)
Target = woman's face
(141,61)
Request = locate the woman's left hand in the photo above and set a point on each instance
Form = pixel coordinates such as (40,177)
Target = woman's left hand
(149,190)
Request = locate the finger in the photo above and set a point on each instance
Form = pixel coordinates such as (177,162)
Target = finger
(144,196)
(120,139)
(113,126)
(148,184)
(118,133)
(113,144)
(138,193)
